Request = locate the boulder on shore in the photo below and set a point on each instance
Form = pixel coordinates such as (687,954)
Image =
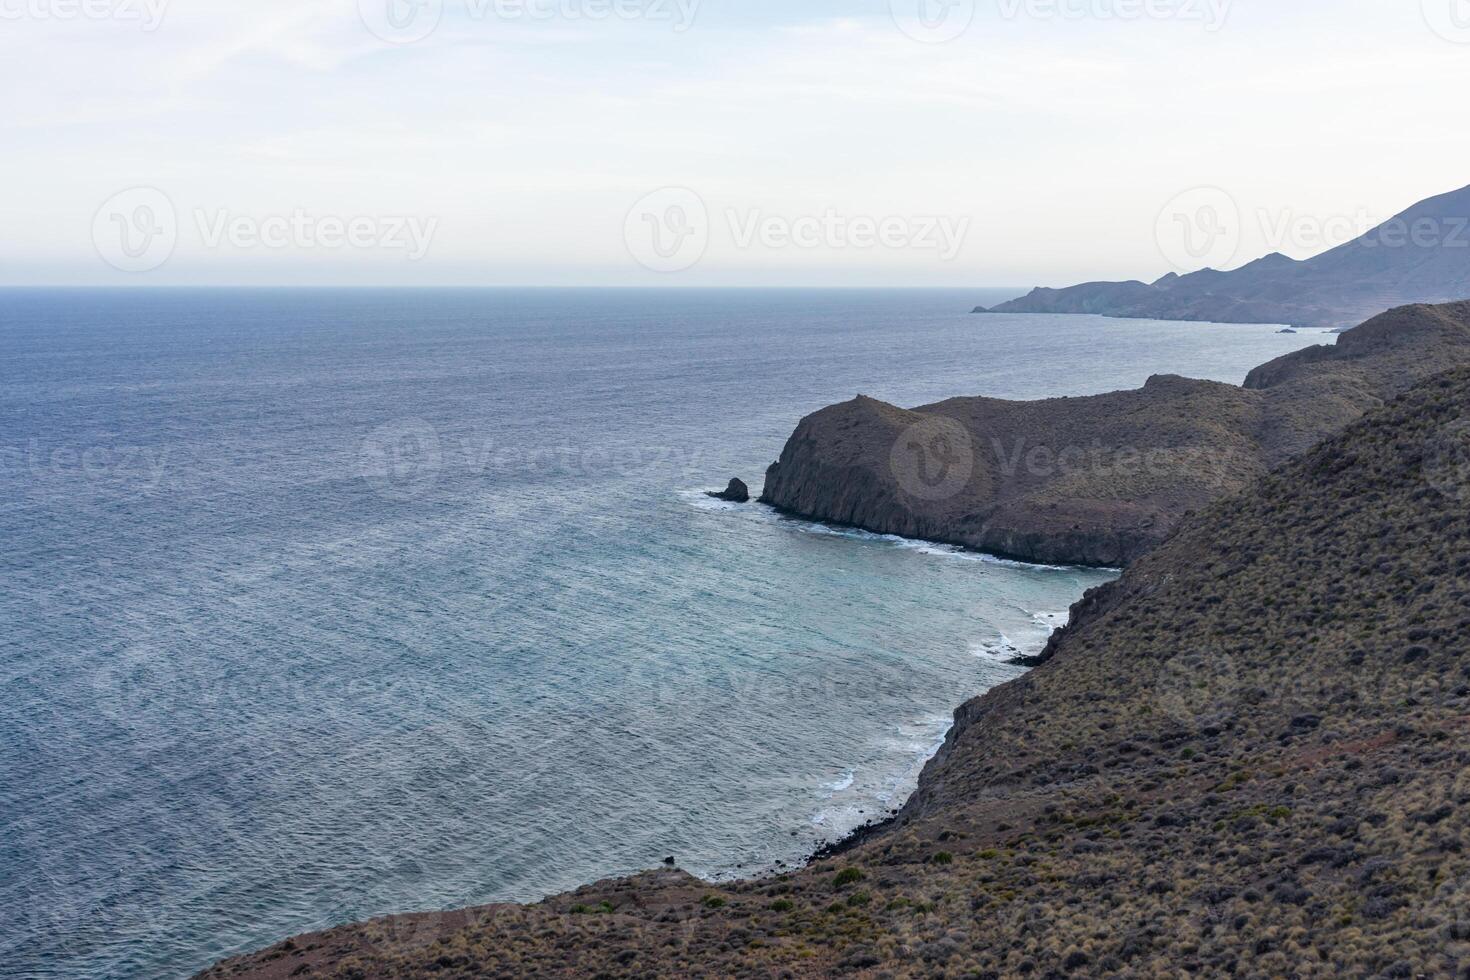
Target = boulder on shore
(737,493)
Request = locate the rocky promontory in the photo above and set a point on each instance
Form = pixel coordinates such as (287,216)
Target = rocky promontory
(1098,480)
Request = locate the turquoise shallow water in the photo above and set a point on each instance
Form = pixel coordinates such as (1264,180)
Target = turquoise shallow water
(321,605)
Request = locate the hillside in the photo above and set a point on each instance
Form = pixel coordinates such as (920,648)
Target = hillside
(1097,480)
(1246,757)
(1419,256)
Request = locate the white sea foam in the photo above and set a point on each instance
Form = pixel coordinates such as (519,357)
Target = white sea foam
(925,737)
(1051,620)
(703,501)
(999,651)
(915,544)
(845,782)
(859,798)
(1003,650)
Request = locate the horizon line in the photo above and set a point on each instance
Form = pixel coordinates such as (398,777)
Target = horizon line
(307,286)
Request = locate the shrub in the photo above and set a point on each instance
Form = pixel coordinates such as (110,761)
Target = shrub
(943,857)
(847,876)
(858,899)
(782,905)
(713,902)
(602,908)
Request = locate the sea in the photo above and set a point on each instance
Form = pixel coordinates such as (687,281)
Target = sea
(317,605)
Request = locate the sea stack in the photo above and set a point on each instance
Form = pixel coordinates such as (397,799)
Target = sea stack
(736,493)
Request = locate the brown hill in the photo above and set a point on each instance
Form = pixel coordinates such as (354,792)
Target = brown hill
(1247,757)
(1419,256)
(1097,480)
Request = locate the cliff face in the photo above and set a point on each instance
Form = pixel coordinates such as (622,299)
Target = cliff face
(1097,480)
(1245,757)
(1093,481)
(1419,256)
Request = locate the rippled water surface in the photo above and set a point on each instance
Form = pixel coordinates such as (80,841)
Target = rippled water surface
(320,605)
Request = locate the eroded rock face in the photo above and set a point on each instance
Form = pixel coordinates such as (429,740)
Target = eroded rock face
(1247,756)
(1103,479)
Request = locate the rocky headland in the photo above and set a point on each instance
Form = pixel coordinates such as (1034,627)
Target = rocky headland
(1419,256)
(1097,480)
(1246,757)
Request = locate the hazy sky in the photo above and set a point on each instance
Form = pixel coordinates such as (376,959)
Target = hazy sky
(710,142)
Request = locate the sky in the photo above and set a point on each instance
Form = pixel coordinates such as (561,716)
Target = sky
(915,143)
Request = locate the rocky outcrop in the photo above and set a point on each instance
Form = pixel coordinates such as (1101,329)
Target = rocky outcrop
(1098,480)
(1246,757)
(1419,256)
(736,493)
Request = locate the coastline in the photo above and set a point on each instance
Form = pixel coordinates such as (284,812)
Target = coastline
(1183,317)
(1025,660)
(1089,607)
(964,547)
(1095,813)
(823,850)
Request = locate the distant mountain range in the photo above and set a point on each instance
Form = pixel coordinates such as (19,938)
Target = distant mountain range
(1419,256)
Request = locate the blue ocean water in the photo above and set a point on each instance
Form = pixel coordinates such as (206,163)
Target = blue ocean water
(318,605)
